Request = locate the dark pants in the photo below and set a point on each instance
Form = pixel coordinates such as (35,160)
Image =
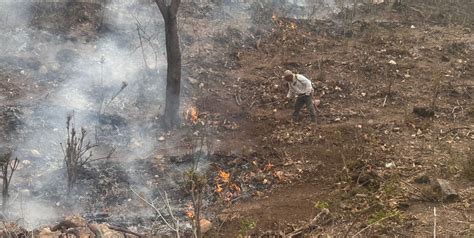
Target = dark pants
(300,102)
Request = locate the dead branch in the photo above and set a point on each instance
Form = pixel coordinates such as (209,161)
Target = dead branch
(312,223)
(124,85)
(141,45)
(376,222)
(116,228)
(8,167)
(174,227)
(455,129)
(75,151)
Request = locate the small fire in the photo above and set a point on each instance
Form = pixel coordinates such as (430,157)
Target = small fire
(225,177)
(192,115)
(293,26)
(190,211)
(219,188)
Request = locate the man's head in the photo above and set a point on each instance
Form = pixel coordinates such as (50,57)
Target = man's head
(288,75)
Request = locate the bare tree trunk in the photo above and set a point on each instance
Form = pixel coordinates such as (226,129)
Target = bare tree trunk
(173,54)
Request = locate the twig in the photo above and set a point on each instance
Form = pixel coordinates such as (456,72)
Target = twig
(141,45)
(237,99)
(158,212)
(124,85)
(434,223)
(124,230)
(378,221)
(455,129)
(307,226)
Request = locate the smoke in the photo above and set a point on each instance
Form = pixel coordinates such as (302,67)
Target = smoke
(81,69)
(77,74)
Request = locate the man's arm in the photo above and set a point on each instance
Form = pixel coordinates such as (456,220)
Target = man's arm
(291,93)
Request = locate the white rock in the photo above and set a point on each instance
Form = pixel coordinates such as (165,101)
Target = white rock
(392,62)
(412,27)
(162,138)
(192,80)
(35,153)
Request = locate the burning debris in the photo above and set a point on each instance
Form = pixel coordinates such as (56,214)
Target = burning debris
(235,141)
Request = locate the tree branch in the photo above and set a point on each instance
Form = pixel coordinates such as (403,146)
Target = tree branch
(174,6)
(163,8)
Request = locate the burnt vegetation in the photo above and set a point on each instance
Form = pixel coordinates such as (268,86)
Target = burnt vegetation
(188,97)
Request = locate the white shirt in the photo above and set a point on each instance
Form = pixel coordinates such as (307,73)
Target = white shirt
(299,86)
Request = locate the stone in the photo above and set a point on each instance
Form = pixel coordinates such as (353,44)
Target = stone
(206,225)
(445,191)
(35,153)
(105,231)
(47,233)
(192,80)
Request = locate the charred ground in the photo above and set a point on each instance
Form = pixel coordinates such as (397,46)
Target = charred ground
(370,160)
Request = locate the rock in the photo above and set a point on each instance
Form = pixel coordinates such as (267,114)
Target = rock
(316,102)
(361,195)
(192,80)
(105,231)
(35,153)
(206,225)
(445,191)
(47,233)
(43,69)
(162,138)
(392,62)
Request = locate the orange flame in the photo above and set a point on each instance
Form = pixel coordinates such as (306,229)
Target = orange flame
(225,177)
(192,115)
(218,188)
(190,211)
(293,25)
